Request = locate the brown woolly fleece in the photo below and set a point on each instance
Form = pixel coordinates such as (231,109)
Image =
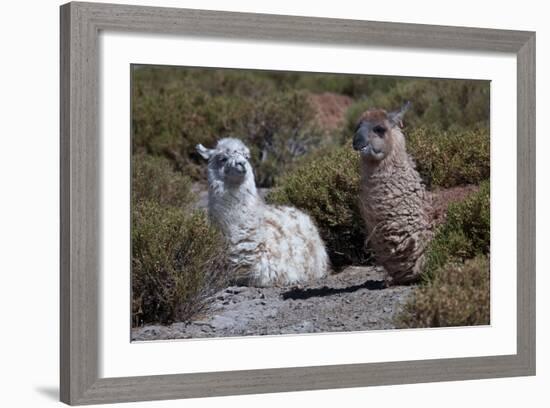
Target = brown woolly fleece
(396,208)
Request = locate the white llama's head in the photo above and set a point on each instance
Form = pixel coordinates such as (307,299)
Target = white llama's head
(378,133)
(228,162)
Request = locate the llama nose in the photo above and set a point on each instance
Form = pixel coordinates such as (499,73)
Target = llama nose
(236,167)
(358,141)
(240,167)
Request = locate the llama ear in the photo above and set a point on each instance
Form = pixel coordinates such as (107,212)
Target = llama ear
(396,117)
(204,152)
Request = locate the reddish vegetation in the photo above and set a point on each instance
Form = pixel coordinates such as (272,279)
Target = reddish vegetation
(330,108)
(441,198)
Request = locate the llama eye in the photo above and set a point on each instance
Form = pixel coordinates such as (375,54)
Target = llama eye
(379,130)
(223,159)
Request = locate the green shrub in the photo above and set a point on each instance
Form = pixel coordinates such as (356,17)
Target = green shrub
(171,121)
(355,86)
(153,179)
(280,129)
(465,233)
(459,295)
(450,158)
(178,261)
(435,102)
(455,288)
(326,186)
(209,81)
(171,114)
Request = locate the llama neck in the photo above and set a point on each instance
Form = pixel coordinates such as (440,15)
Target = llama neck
(234,207)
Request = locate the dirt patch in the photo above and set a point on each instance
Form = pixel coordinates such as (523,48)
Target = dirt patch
(353,300)
(441,198)
(330,109)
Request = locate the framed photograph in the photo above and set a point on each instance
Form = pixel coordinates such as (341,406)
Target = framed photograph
(262,203)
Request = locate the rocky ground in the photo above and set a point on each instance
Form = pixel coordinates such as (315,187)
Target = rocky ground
(355,299)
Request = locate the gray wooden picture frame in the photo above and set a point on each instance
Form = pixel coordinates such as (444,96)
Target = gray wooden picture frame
(80,233)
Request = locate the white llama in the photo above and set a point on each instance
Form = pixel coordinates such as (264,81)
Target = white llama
(268,245)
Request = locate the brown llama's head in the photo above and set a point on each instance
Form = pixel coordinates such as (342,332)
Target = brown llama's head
(375,136)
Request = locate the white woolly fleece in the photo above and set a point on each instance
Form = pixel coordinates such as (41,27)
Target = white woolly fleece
(268,245)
